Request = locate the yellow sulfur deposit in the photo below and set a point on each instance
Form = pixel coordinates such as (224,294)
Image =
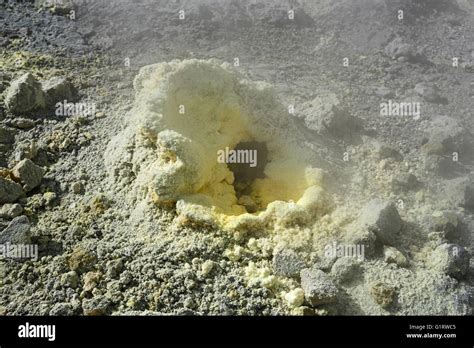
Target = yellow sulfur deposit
(186,115)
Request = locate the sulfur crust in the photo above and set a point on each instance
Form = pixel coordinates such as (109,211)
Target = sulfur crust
(184,112)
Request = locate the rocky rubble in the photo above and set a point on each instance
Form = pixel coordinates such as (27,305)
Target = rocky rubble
(399,186)
(24,95)
(10,191)
(28,173)
(17,231)
(318,287)
(381,217)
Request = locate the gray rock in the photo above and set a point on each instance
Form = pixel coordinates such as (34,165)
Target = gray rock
(325,263)
(392,255)
(318,287)
(62,309)
(383,294)
(114,268)
(451,259)
(17,231)
(358,234)
(9,191)
(288,263)
(28,173)
(58,89)
(345,269)
(404,182)
(24,95)
(381,217)
(77,187)
(325,115)
(7,135)
(22,123)
(10,211)
(97,305)
(70,279)
(429,92)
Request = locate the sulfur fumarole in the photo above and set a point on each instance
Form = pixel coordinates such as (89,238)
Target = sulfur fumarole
(185,113)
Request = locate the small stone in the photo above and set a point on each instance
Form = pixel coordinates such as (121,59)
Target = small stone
(114,268)
(383,294)
(49,198)
(70,279)
(392,255)
(17,231)
(325,263)
(326,115)
(97,305)
(9,191)
(10,211)
(451,259)
(318,287)
(81,260)
(28,173)
(26,150)
(345,269)
(288,263)
(24,95)
(295,297)
(189,303)
(381,217)
(58,89)
(62,309)
(404,182)
(91,280)
(356,233)
(207,267)
(22,123)
(77,188)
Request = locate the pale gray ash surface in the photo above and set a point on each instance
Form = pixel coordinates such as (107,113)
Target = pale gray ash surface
(380,97)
